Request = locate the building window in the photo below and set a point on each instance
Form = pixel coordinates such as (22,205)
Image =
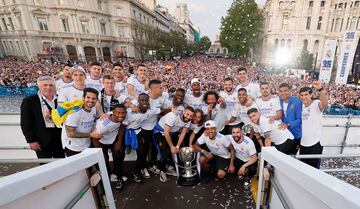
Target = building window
(335,6)
(293,3)
(134,13)
(99,5)
(81,3)
(27,47)
(65,24)
(357,4)
(289,44)
(340,6)
(5,46)
(345,5)
(342,22)
(37,2)
(140,17)
(18,47)
(322,4)
(311,3)
(358,24)
(85,26)
(337,25)
(316,46)
(305,45)
(119,11)
(308,23)
(281,4)
(347,23)
(12,46)
(285,22)
(4,23)
(103,28)
(319,23)
(353,24)
(11,23)
(121,31)
(43,26)
(332,25)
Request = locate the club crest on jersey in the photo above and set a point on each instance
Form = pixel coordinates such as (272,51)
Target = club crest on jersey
(292,106)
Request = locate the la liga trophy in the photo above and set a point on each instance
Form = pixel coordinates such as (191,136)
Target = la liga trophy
(188,175)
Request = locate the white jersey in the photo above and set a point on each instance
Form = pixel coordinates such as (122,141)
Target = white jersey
(311,124)
(108,129)
(121,87)
(195,128)
(218,146)
(84,122)
(161,103)
(94,83)
(174,121)
(268,108)
(252,89)
(245,149)
(277,135)
(218,115)
(195,102)
(242,112)
(60,83)
(107,100)
(70,93)
(135,120)
(138,87)
(231,100)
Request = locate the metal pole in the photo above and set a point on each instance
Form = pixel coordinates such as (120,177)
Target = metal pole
(348,124)
(260,183)
(78,197)
(340,170)
(42,160)
(14,148)
(327,156)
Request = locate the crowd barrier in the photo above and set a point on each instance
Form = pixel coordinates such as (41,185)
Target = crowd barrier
(336,110)
(14,91)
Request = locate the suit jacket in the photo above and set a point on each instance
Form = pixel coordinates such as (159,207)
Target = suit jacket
(32,121)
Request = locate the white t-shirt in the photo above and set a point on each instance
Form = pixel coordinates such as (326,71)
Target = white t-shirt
(245,149)
(108,129)
(70,93)
(135,120)
(231,100)
(268,108)
(285,106)
(84,122)
(218,115)
(242,112)
(195,128)
(107,99)
(252,89)
(277,136)
(138,87)
(60,83)
(120,86)
(161,103)
(218,146)
(93,83)
(311,124)
(174,121)
(194,102)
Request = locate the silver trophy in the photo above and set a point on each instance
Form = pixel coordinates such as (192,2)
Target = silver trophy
(188,175)
(246,129)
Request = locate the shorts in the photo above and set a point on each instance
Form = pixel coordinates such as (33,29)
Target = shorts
(220,163)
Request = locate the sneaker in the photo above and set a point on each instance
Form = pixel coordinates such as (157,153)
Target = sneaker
(154,170)
(171,171)
(113,178)
(119,185)
(128,150)
(137,178)
(240,177)
(145,173)
(246,182)
(163,177)
(124,178)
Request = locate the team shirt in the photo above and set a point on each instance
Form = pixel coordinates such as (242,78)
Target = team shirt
(268,108)
(277,136)
(121,87)
(242,112)
(138,87)
(194,102)
(107,99)
(108,129)
(60,83)
(84,122)
(231,101)
(218,146)
(253,90)
(135,120)
(218,115)
(195,128)
(311,124)
(93,83)
(70,93)
(161,103)
(174,121)
(245,149)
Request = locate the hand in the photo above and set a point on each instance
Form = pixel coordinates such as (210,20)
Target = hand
(104,116)
(227,122)
(95,135)
(316,85)
(35,146)
(96,142)
(271,119)
(174,150)
(117,93)
(283,126)
(134,108)
(242,170)
(208,155)
(221,100)
(248,102)
(210,108)
(231,168)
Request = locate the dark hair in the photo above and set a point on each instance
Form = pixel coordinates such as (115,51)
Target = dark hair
(264,83)
(140,65)
(95,63)
(202,115)
(90,90)
(119,106)
(181,90)
(210,92)
(237,126)
(229,79)
(143,94)
(304,89)
(68,65)
(155,81)
(284,85)
(252,110)
(108,77)
(189,108)
(242,89)
(117,64)
(241,69)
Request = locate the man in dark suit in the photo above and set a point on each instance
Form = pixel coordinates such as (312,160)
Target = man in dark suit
(36,124)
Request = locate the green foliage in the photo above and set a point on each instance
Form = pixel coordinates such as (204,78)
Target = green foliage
(203,45)
(305,60)
(241,29)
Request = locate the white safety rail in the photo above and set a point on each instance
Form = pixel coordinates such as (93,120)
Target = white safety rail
(298,185)
(57,185)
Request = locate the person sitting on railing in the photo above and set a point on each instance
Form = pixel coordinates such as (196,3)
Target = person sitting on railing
(311,122)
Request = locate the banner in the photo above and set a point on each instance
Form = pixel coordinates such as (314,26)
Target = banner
(348,47)
(327,60)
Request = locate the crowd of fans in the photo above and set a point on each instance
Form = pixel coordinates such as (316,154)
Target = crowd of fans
(177,73)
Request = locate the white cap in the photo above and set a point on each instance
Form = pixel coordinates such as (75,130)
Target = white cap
(210,124)
(77,68)
(194,80)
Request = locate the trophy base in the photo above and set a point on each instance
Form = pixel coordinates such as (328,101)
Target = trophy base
(188,181)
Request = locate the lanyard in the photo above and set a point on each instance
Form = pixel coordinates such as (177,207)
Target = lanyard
(47,104)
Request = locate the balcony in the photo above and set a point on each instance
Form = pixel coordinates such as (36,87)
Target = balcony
(13,33)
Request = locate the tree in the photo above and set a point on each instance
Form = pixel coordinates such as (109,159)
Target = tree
(305,60)
(241,29)
(204,44)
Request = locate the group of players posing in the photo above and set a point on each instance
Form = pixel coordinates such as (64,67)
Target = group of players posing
(132,112)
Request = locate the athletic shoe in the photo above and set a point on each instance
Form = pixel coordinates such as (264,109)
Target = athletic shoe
(154,170)
(137,178)
(128,150)
(171,171)
(246,182)
(240,177)
(113,178)
(163,177)
(119,185)
(145,173)
(124,178)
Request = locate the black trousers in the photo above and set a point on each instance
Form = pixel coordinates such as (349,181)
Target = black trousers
(164,150)
(70,152)
(54,148)
(148,135)
(118,159)
(296,146)
(251,169)
(287,147)
(315,149)
(144,143)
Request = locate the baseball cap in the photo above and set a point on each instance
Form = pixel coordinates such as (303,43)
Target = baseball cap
(194,80)
(77,68)
(210,124)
